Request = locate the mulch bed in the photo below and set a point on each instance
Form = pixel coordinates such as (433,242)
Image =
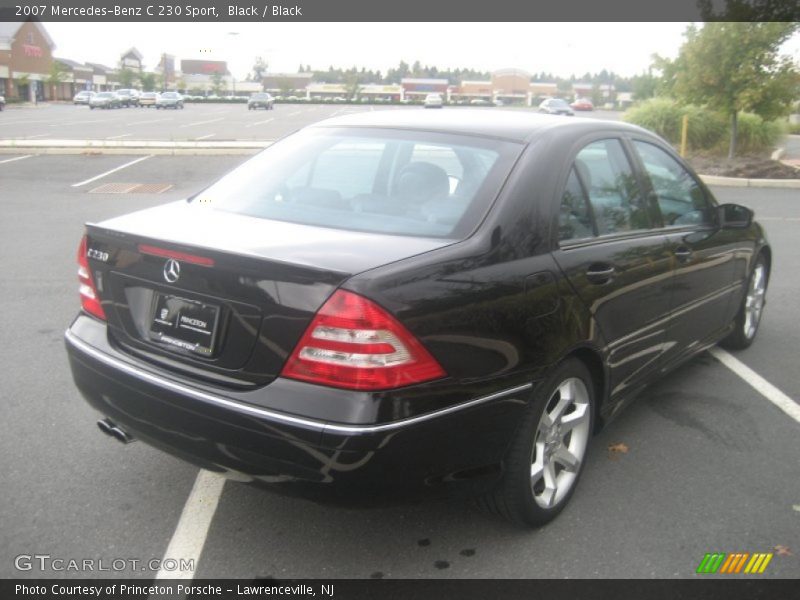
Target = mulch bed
(747,167)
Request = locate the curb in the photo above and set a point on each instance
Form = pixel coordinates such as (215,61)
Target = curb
(135,147)
(132,147)
(738,182)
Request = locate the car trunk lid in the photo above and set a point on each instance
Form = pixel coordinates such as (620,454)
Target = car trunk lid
(221,296)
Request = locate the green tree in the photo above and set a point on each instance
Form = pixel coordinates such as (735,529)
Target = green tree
(734,67)
(22,81)
(644,86)
(216,83)
(353,85)
(127,77)
(148,82)
(58,73)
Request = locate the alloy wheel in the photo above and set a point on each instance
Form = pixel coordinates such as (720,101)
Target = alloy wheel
(754,302)
(560,443)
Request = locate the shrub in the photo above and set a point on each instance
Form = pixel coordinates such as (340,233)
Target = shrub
(659,115)
(707,130)
(755,134)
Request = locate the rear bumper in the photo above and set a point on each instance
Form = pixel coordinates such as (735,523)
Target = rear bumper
(460,447)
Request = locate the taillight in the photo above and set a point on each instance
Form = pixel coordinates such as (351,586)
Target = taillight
(353,343)
(90,301)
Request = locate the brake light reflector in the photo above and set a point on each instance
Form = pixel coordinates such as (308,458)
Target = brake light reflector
(353,343)
(203,261)
(90,301)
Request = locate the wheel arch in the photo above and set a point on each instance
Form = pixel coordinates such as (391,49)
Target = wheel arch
(766,252)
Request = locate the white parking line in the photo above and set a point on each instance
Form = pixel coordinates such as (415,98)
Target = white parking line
(291,114)
(203,122)
(8,160)
(23,122)
(205,137)
(81,122)
(150,121)
(30,137)
(260,123)
(758,383)
(116,137)
(133,162)
(190,534)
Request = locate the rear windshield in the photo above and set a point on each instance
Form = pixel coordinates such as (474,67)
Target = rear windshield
(383,181)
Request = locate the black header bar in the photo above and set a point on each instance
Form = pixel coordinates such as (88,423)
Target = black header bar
(397,10)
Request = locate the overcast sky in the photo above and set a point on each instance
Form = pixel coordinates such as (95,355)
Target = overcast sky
(559,48)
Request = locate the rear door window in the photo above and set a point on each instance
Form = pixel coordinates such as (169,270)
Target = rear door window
(574,218)
(680,198)
(613,189)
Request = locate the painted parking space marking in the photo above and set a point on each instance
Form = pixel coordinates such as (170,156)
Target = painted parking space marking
(758,383)
(204,122)
(205,137)
(190,534)
(116,137)
(150,121)
(8,160)
(23,122)
(96,177)
(264,122)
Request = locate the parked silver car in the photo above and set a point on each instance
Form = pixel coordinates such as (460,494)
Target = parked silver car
(82,97)
(105,100)
(170,100)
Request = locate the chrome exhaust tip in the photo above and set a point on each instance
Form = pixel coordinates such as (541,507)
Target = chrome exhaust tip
(110,428)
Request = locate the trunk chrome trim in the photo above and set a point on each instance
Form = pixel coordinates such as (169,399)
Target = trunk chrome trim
(322,426)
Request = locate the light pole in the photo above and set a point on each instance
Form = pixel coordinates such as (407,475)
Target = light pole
(234,35)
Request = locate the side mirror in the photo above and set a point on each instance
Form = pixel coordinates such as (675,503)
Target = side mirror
(734,216)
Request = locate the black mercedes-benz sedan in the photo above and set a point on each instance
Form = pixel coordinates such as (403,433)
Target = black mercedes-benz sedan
(402,300)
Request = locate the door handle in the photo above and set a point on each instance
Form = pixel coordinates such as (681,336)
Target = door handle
(682,253)
(600,274)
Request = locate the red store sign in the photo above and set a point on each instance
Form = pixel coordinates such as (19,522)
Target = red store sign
(34,51)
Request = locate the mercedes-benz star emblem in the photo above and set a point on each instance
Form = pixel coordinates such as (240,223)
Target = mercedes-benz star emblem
(172,270)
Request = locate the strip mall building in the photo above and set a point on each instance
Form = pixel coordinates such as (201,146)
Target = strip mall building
(26,59)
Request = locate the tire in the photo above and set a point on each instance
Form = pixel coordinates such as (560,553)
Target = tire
(549,449)
(748,317)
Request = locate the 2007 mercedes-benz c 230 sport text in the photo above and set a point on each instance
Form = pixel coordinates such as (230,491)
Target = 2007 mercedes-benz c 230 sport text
(404,300)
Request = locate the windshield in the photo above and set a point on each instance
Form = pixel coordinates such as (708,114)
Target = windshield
(395,182)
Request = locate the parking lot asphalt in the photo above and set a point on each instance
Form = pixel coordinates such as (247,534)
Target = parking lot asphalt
(711,465)
(197,122)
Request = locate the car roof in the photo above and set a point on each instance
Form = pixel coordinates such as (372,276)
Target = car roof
(518,126)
